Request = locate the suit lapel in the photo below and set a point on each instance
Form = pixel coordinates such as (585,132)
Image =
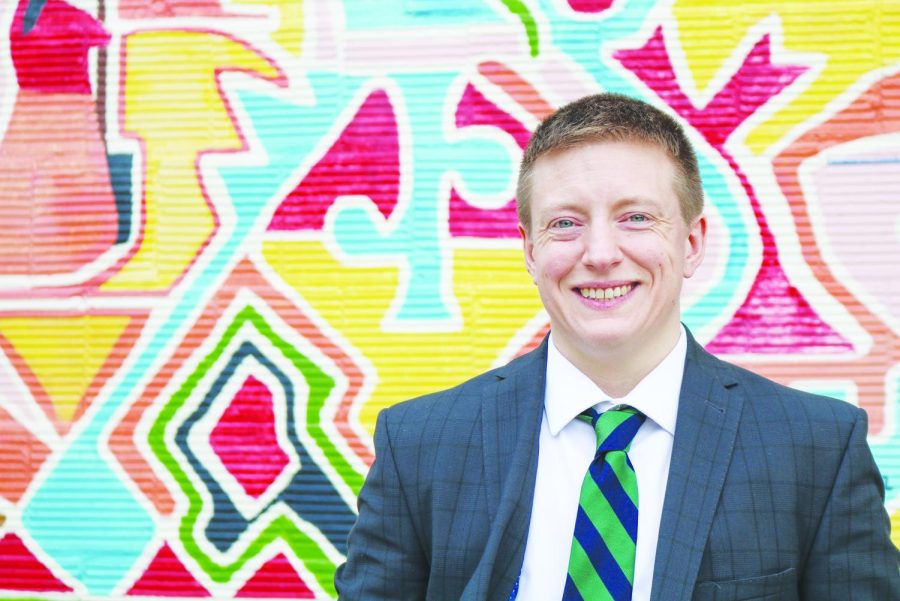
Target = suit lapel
(708,415)
(511,416)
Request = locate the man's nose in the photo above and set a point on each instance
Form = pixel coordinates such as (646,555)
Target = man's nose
(602,248)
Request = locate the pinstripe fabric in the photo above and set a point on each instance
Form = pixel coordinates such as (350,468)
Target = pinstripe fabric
(772,494)
(601,562)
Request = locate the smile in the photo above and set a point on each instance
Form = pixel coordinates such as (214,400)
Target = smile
(606,293)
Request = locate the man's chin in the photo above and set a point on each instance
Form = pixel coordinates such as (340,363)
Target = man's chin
(602,345)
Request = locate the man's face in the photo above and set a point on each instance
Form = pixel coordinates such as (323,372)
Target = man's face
(608,249)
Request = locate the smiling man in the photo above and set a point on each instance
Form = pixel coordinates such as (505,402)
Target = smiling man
(619,460)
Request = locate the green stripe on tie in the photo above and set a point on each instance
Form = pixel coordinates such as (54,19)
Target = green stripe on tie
(601,559)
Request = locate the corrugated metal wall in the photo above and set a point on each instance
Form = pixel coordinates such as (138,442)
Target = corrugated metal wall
(232,232)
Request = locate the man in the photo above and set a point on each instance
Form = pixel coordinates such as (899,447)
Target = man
(719,484)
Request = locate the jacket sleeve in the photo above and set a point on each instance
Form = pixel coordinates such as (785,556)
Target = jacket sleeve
(385,559)
(852,556)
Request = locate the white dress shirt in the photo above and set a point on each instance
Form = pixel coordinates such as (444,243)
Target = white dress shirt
(567,446)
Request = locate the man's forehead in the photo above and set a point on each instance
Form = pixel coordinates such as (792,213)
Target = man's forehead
(606,158)
(562,151)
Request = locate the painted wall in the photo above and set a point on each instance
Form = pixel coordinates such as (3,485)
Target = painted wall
(232,232)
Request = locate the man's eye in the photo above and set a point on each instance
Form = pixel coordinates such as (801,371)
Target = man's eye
(563,224)
(638,218)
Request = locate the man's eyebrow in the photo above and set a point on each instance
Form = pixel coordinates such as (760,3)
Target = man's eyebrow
(629,201)
(562,205)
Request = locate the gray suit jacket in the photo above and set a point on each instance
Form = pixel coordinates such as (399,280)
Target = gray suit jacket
(772,494)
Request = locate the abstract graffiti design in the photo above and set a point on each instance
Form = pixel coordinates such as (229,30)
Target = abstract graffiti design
(231,233)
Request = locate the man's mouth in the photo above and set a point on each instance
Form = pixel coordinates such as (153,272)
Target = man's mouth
(606,293)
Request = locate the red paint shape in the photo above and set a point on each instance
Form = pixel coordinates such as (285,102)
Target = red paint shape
(467,220)
(245,438)
(590,6)
(21,455)
(755,83)
(364,160)
(774,318)
(277,578)
(53,56)
(20,570)
(166,576)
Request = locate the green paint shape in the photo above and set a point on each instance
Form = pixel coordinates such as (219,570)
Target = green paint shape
(320,386)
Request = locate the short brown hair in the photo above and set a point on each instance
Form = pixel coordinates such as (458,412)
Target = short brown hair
(613,117)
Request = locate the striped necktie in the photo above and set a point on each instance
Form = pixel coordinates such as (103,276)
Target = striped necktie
(601,562)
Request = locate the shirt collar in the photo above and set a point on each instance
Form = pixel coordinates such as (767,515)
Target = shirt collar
(569,391)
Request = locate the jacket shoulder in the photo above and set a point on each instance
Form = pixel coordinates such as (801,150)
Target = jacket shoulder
(771,403)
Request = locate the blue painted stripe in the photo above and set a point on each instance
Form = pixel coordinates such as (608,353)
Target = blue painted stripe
(871,161)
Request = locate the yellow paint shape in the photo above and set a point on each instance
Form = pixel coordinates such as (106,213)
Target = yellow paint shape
(64,353)
(855,37)
(495,295)
(173,104)
(290,32)
(895,528)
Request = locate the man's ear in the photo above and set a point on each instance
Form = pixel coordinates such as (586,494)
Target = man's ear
(528,251)
(694,246)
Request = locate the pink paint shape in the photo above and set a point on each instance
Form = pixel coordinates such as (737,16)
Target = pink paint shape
(58,208)
(166,576)
(59,211)
(20,570)
(468,220)
(775,317)
(141,9)
(53,56)
(277,578)
(364,160)
(245,439)
(865,247)
(590,6)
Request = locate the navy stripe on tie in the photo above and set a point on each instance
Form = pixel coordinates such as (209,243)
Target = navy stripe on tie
(570,593)
(602,560)
(619,501)
(620,438)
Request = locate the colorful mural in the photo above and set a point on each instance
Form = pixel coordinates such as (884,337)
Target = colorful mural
(232,232)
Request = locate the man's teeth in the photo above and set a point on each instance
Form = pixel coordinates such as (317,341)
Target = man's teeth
(606,293)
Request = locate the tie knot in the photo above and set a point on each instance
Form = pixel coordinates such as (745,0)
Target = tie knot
(615,428)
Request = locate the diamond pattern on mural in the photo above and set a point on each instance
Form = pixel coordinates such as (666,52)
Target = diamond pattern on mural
(246,441)
(247,366)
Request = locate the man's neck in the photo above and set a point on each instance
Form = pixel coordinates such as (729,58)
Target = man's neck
(617,371)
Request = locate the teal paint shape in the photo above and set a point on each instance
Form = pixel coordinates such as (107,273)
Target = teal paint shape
(416,236)
(710,307)
(87,519)
(826,389)
(363,15)
(289,133)
(84,515)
